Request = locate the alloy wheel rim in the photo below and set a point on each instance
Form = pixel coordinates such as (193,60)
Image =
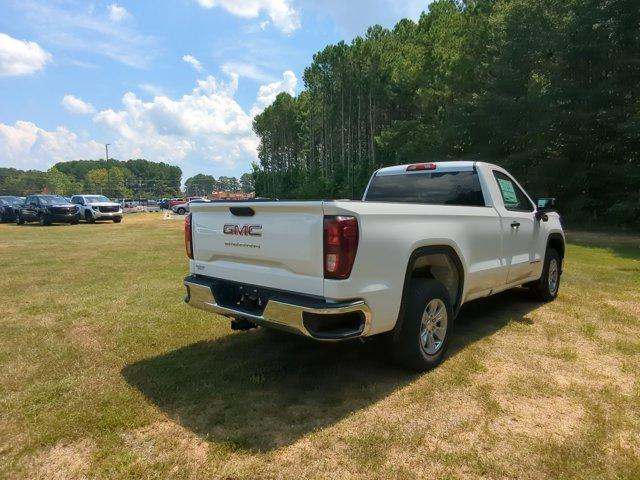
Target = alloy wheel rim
(553,276)
(433,327)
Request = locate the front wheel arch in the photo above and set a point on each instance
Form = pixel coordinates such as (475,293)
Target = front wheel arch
(555,241)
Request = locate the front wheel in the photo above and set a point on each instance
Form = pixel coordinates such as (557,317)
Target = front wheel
(546,287)
(426,327)
(117,220)
(181,211)
(19,219)
(88,217)
(42,220)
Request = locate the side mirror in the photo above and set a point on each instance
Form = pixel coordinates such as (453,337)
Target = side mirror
(545,205)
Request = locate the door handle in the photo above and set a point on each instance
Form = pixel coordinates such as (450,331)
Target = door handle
(515,224)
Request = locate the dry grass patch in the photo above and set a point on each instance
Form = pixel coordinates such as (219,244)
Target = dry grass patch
(63,461)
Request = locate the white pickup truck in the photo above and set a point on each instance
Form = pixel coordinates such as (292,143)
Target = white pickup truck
(425,239)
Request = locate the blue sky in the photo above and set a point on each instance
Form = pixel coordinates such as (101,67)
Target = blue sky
(174,81)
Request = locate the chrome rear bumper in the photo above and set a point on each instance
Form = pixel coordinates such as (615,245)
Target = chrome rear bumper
(283,315)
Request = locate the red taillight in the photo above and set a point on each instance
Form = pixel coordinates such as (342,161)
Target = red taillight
(188,239)
(340,246)
(421,166)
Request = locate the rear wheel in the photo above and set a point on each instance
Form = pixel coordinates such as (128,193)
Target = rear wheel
(89,218)
(546,287)
(428,321)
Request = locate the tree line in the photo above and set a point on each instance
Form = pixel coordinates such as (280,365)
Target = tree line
(118,179)
(549,89)
(202,184)
(139,178)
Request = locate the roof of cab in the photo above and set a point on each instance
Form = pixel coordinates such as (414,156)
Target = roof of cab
(454,166)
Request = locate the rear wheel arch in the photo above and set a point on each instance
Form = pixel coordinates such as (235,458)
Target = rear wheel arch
(418,267)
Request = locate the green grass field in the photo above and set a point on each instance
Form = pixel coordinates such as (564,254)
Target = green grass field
(105,373)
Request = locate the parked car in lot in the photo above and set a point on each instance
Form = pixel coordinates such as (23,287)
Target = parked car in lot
(183,208)
(97,207)
(425,239)
(8,208)
(47,209)
(176,201)
(152,206)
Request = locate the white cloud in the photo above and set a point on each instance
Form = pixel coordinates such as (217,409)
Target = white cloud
(193,61)
(25,145)
(281,13)
(117,13)
(77,105)
(206,123)
(21,57)
(85,30)
(247,70)
(268,93)
(206,127)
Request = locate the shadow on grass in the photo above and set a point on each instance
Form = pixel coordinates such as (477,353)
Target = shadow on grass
(260,390)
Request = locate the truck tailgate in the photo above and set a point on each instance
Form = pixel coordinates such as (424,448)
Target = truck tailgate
(272,244)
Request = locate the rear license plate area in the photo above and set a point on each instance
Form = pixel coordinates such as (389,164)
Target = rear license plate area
(243,297)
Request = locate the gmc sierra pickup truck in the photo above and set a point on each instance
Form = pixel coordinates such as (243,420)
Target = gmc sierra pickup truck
(425,239)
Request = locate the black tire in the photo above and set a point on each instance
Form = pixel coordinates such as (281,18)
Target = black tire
(181,211)
(42,220)
(117,220)
(88,217)
(19,220)
(409,347)
(74,222)
(545,289)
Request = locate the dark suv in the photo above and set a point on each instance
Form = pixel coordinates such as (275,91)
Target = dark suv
(47,209)
(8,208)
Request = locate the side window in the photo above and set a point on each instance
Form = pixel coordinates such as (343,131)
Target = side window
(512,196)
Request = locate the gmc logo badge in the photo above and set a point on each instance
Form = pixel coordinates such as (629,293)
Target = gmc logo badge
(247,230)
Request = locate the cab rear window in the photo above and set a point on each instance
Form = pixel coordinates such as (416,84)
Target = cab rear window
(436,188)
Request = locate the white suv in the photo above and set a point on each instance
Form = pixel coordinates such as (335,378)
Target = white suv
(97,207)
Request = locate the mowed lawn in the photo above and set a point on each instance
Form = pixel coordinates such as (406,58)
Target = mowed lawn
(105,373)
